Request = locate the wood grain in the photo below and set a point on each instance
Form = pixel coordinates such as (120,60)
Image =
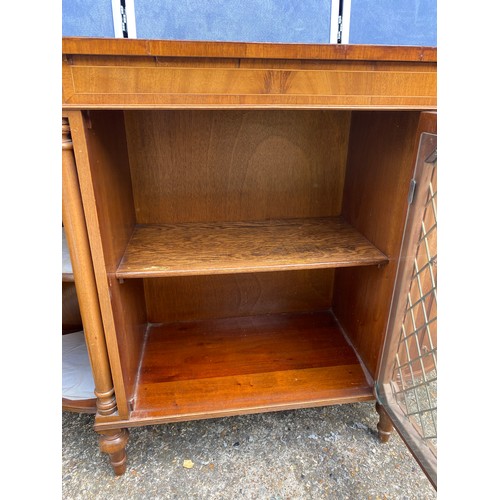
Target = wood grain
(322,64)
(210,49)
(231,179)
(143,88)
(83,271)
(164,81)
(204,166)
(111,183)
(162,74)
(257,344)
(415,355)
(381,163)
(104,183)
(113,443)
(235,247)
(243,364)
(188,298)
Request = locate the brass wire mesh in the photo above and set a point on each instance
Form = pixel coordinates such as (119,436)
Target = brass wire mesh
(414,379)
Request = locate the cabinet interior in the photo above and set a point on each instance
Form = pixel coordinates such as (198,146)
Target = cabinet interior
(250,254)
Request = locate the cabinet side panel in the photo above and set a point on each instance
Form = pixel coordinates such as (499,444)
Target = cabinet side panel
(233,165)
(221,296)
(123,304)
(107,149)
(380,166)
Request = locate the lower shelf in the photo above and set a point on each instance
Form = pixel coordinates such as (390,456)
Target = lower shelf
(80,406)
(206,369)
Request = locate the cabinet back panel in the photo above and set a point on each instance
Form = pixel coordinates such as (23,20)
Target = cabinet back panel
(220,296)
(228,165)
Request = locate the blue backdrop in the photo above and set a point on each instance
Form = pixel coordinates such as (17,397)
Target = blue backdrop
(394,22)
(87,18)
(386,22)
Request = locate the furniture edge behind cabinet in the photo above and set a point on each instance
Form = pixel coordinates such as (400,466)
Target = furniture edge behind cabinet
(245,206)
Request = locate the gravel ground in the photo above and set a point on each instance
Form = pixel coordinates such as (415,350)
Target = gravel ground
(330,452)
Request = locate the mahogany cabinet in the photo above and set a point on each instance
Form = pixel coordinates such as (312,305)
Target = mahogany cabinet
(239,211)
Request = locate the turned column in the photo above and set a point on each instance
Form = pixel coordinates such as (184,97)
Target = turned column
(111,442)
(384,425)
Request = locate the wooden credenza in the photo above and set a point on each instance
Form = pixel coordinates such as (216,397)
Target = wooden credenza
(235,214)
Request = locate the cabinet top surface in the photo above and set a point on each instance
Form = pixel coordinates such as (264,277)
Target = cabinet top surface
(180,48)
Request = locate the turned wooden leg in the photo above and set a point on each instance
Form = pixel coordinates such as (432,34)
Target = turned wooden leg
(113,443)
(384,425)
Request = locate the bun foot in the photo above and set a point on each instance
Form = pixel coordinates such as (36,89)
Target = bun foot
(384,425)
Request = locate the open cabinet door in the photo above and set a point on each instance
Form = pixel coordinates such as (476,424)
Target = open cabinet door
(407,381)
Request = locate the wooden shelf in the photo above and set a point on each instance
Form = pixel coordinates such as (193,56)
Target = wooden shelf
(242,365)
(240,247)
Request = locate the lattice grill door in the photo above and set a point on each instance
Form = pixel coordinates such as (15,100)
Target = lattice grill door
(407,382)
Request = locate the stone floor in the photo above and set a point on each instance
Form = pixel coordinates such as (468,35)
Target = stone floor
(319,453)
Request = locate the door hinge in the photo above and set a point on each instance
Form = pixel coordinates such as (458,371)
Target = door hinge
(339,29)
(411,191)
